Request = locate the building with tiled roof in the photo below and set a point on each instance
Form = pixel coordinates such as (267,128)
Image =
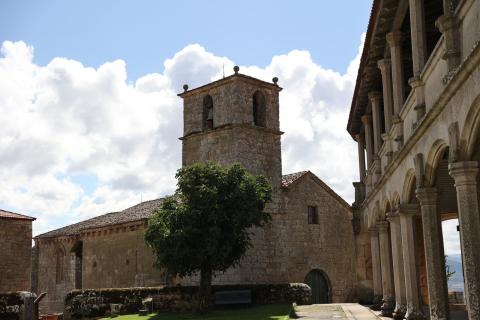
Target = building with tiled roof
(15,216)
(15,251)
(233,120)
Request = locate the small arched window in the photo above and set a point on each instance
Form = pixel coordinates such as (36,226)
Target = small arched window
(60,261)
(259,109)
(207,112)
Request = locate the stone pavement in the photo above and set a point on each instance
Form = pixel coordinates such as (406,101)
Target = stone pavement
(337,311)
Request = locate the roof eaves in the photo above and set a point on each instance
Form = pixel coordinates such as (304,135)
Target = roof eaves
(368,38)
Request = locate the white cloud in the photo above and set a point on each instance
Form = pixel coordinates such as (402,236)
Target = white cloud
(451,237)
(66,119)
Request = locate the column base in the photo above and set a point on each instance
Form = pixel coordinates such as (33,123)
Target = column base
(400,311)
(377,303)
(387,307)
(415,315)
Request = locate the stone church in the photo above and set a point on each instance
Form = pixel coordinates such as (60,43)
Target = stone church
(233,120)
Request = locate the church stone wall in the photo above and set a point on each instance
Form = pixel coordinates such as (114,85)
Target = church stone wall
(289,248)
(15,253)
(112,258)
(328,246)
(47,273)
(119,260)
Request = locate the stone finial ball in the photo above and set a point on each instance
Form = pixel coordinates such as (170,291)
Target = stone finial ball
(275,80)
(185,87)
(236,69)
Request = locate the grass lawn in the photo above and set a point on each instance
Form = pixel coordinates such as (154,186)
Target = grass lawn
(267,312)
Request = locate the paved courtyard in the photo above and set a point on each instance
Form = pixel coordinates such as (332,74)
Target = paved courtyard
(341,311)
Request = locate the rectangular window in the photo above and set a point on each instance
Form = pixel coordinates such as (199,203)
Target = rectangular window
(312,215)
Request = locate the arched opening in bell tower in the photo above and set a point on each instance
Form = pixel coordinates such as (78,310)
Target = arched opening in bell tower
(207,112)
(259,113)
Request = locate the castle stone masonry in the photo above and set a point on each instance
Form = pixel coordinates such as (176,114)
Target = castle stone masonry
(311,238)
(419,151)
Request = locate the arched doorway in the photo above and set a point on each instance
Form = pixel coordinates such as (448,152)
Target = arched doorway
(318,282)
(77,252)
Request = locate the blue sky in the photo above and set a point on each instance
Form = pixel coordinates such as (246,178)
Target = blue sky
(145,33)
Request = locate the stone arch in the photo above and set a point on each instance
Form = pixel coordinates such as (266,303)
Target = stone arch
(409,186)
(470,136)
(207,112)
(395,201)
(386,207)
(77,255)
(434,156)
(320,284)
(259,108)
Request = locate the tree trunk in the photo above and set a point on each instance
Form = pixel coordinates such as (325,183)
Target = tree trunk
(205,291)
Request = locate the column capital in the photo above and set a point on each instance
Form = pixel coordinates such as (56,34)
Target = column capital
(446,22)
(396,119)
(374,96)
(394,38)
(427,196)
(384,64)
(382,226)
(464,173)
(373,231)
(409,209)
(415,82)
(366,118)
(393,216)
(359,137)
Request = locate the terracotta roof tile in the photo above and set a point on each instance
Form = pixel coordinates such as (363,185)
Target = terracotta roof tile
(12,215)
(288,179)
(138,212)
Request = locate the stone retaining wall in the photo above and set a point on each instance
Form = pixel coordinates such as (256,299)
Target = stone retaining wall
(16,305)
(94,303)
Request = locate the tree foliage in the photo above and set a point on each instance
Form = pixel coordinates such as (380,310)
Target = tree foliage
(206,226)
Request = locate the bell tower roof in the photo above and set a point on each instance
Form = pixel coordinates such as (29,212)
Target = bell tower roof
(232,78)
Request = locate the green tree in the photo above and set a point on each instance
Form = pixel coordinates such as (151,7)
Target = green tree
(206,226)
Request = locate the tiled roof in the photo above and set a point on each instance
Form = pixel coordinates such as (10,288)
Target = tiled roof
(288,179)
(12,215)
(138,212)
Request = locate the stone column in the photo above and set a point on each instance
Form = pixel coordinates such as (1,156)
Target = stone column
(375,98)
(385,67)
(398,270)
(376,269)
(361,155)
(394,40)
(367,124)
(434,253)
(407,213)
(419,36)
(386,263)
(419,53)
(465,175)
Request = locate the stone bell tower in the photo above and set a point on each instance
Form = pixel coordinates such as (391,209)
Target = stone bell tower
(235,120)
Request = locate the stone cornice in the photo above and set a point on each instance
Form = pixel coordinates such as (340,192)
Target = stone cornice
(230,127)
